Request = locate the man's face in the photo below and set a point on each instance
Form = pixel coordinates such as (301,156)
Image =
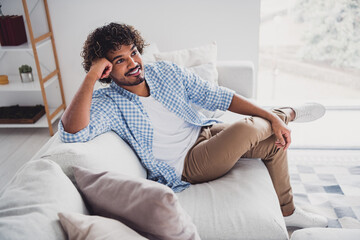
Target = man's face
(127,66)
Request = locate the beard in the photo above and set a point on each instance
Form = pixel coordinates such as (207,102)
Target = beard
(137,82)
(139,79)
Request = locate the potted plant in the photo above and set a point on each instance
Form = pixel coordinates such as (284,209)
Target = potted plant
(26,73)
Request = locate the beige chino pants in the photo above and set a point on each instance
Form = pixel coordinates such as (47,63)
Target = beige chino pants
(220,146)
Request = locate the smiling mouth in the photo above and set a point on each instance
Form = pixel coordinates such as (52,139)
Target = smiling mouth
(134,72)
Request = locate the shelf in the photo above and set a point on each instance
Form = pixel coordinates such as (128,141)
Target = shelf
(23,47)
(15,84)
(15,90)
(41,123)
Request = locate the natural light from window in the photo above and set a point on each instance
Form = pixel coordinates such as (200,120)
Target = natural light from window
(310,50)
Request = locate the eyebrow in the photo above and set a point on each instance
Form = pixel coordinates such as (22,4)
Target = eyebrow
(120,56)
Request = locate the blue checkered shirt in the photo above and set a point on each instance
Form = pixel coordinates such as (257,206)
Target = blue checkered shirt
(116,109)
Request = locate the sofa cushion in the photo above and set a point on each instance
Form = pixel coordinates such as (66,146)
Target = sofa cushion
(29,204)
(200,60)
(326,234)
(105,152)
(240,205)
(79,226)
(145,206)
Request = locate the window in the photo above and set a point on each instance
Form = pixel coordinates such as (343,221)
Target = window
(310,50)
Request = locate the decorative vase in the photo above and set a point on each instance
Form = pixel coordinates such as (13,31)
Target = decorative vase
(26,77)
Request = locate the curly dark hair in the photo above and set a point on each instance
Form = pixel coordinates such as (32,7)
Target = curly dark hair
(106,38)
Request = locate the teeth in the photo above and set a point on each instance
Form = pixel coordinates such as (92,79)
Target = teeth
(135,71)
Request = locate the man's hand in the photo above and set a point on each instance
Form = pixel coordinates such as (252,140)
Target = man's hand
(101,68)
(243,106)
(282,133)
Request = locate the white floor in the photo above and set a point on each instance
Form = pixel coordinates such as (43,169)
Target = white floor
(17,146)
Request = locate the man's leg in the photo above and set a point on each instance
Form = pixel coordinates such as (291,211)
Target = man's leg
(220,146)
(277,164)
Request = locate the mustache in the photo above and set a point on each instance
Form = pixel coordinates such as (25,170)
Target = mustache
(138,66)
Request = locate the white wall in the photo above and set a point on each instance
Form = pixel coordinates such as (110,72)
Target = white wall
(171,24)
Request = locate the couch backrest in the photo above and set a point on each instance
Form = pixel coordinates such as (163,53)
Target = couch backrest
(238,76)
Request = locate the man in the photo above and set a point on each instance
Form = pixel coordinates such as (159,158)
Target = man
(149,107)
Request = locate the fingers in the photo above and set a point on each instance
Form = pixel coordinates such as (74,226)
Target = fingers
(287,137)
(107,68)
(107,71)
(279,137)
(101,67)
(283,140)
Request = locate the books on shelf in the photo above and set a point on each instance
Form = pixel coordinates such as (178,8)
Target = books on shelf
(21,114)
(12,30)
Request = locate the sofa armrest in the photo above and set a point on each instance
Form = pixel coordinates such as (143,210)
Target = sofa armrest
(238,76)
(105,152)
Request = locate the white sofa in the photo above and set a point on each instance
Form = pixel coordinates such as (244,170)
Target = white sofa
(240,205)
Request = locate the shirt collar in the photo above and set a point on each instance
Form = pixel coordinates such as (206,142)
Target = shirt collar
(122,91)
(150,81)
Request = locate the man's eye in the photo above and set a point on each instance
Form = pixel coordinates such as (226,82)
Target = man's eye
(134,52)
(120,61)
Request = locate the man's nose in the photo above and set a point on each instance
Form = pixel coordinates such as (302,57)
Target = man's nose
(131,63)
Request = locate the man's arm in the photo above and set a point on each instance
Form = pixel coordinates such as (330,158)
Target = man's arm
(243,106)
(77,114)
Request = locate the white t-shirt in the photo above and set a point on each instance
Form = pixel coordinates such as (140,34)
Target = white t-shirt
(173,137)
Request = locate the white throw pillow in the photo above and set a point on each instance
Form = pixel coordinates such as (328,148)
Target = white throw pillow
(201,61)
(240,205)
(105,152)
(80,226)
(190,57)
(148,53)
(31,201)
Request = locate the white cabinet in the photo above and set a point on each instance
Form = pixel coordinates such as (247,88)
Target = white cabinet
(47,86)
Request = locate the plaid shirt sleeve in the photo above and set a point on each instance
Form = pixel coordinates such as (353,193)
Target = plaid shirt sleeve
(204,93)
(102,109)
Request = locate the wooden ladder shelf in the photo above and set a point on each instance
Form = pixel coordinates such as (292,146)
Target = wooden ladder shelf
(56,72)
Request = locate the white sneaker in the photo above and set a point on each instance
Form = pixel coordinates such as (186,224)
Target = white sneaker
(308,112)
(302,219)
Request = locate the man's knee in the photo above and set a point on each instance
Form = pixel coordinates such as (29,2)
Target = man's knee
(245,127)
